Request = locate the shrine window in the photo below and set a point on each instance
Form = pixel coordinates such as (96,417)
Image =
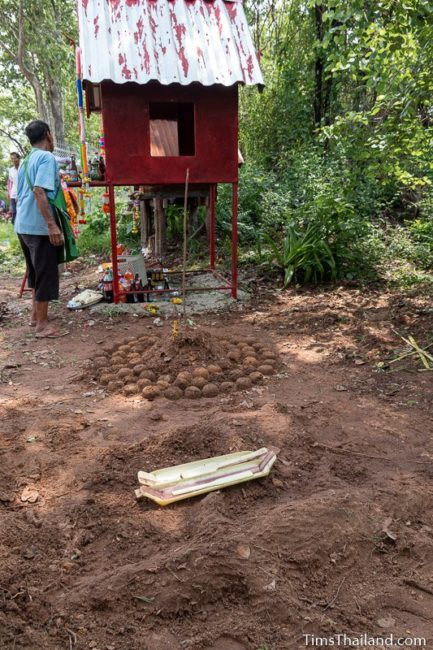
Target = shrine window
(172,131)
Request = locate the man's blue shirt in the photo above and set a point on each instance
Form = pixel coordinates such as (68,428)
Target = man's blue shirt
(43,172)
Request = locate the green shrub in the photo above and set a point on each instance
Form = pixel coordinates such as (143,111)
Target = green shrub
(304,255)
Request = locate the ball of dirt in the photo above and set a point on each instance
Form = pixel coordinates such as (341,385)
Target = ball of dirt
(109,348)
(235,374)
(173,393)
(243,383)
(99,362)
(163,385)
(199,382)
(148,374)
(227,386)
(166,378)
(225,364)
(183,379)
(247,370)
(137,370)
(135,361)
(151,392)
(105,379)
(234,355)
(201,372)
(116,359)
(123,372)
(192,392)
(124,349)
(268,354)
(256,377)
(247,351)
(129,379)
(130,389)
(142,383)
(210,390)
(250,361)
(266,369)
(148,340)
(214,369)
(112,386)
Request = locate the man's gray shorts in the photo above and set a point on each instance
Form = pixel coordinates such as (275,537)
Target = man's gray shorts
(42,268)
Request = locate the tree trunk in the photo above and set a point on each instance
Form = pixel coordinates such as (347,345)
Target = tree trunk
(29,74)
(160,229)
(56,106)
(318,66)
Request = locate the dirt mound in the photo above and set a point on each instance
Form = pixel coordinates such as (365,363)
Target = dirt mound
(188,364)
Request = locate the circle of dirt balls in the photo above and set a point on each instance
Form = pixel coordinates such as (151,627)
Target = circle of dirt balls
(124,367)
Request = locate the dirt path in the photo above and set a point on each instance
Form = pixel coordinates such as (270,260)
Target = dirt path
(338,539)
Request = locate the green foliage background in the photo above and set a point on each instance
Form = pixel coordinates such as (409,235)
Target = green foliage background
(339,143)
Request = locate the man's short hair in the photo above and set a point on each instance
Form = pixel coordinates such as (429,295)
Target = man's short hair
(37,131)
(15,153)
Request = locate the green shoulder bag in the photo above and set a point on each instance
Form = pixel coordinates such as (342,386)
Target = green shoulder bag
(67,251)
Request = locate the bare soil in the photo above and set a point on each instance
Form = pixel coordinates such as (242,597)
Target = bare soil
(338,539)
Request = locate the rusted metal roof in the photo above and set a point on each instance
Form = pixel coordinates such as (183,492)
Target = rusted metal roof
(170,41)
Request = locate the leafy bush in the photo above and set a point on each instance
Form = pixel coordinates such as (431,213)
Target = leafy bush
(305,253)
(421,233)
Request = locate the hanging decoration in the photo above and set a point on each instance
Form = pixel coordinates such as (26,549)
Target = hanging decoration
(84,194)
(136,218)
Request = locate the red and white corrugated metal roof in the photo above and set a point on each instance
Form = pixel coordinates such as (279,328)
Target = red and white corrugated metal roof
(170,41)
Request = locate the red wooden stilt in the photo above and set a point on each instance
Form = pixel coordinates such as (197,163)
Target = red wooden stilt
(113,231)
(235,241)
(212,227)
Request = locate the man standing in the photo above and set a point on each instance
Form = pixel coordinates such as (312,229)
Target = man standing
(13,184)
(37,230)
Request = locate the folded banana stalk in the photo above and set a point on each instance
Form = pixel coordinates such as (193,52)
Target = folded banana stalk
(165,486)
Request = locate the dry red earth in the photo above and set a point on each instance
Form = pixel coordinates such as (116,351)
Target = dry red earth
(337,539)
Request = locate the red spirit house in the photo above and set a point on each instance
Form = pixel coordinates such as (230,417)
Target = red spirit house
(165,75)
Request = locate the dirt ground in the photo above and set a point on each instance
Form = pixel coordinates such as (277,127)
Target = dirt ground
(338,539)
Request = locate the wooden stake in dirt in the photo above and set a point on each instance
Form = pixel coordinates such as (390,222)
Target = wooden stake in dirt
(185,205)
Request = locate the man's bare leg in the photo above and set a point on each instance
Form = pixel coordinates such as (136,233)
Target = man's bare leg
(33,316)
(43,326)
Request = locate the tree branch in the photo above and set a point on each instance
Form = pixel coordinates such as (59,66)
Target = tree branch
(14,140)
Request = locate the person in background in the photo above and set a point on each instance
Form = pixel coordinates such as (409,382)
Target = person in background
(13,184)
(36,227)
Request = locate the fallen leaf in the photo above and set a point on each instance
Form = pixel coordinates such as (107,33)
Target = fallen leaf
(340,388)
(30,495)
(244,551)
(386,622)
(270,586)
(145,599)
(391,536)
(29,553)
